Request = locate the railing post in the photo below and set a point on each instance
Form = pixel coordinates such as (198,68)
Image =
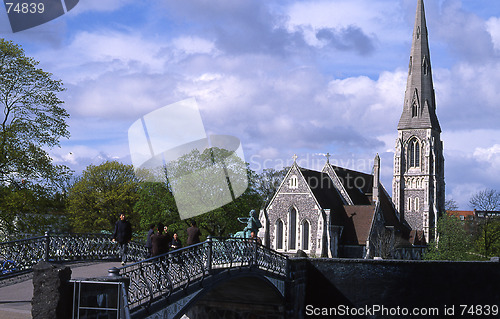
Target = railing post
(209,260)
(113,272)
(47,247)
(255,249)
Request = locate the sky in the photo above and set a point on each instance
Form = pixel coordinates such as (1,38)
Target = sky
(285,77)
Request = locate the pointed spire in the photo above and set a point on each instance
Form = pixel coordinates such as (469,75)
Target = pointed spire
(419,110)
(376,178)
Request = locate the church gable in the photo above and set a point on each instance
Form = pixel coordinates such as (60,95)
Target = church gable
(295,213)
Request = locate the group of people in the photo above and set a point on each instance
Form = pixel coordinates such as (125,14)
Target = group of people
(161,241)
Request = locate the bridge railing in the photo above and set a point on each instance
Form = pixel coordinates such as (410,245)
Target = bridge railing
(163,275)
(20,255)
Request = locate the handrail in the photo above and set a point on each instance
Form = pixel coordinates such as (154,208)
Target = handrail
(19,256)
(161,276)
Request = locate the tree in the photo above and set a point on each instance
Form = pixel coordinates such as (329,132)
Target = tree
(155,204)
(32,120)
(488,237)
(450,204)
(31,209)
(486,200)
(100,194)
(452,243)
(267,182)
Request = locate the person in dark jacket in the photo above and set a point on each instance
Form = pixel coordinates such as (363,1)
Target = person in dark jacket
(159,242)
(123,235)
(193,233)
(149,245)
(176,242)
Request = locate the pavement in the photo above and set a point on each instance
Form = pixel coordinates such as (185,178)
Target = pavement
(15,299)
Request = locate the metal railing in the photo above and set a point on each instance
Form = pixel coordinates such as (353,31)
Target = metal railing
(163,275)
(20,255)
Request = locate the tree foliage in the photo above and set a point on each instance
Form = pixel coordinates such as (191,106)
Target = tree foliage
(452,243)
(31,209)
(155,204)
(100,194)
(32,119)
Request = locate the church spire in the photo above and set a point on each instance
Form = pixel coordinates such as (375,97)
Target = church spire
(419,110)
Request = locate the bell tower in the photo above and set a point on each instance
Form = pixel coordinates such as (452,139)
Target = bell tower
(418,181)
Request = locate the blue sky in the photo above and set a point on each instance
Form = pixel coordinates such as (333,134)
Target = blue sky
(285,77)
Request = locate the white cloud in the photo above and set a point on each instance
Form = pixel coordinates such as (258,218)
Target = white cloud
(493,27)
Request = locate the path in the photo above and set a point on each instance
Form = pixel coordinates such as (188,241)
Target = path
(15,300)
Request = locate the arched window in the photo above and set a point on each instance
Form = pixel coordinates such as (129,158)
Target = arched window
(414,153)
(305,235)
(409,204)
(292,233)
(279,234)
(414,109)
(416,204)
(293,183)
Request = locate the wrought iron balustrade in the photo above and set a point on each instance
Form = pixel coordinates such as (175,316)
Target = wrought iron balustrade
(20,255)
(161,276)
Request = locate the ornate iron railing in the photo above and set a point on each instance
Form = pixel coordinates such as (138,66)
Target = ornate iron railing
(163,275)
(20,255)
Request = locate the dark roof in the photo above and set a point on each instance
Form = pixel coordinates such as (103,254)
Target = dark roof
(361,217)
(323,189)
(359,186)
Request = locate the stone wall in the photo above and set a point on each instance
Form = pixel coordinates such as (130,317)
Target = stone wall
(365,283)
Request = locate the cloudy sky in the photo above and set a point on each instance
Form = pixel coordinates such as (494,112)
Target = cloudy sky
(285,77)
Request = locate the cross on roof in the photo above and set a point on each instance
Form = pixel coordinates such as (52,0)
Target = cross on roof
(328,157)
(294,157)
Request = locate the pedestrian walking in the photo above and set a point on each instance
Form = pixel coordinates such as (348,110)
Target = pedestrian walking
(149,245)
(123,235)
(193,233)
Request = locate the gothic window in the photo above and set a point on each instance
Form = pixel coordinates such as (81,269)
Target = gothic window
(425,66)
(293,183)
(414,153)
(416,204)
(409,204)
(305,235)
(292,233)
(414,104)
(414,109)
(279,234)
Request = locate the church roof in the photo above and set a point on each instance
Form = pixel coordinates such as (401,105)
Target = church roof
(323,189)
(358,185)
(361,217)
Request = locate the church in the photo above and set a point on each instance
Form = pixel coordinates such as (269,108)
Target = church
(338,212)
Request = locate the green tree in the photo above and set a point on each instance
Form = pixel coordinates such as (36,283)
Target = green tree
(488,238)
(267,182)
(32,119)
(155,204)
(198,173)
(31,209)
(452,243)
(488,227)
(100,194)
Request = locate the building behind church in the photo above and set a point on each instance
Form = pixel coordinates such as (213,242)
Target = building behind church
(338,212)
